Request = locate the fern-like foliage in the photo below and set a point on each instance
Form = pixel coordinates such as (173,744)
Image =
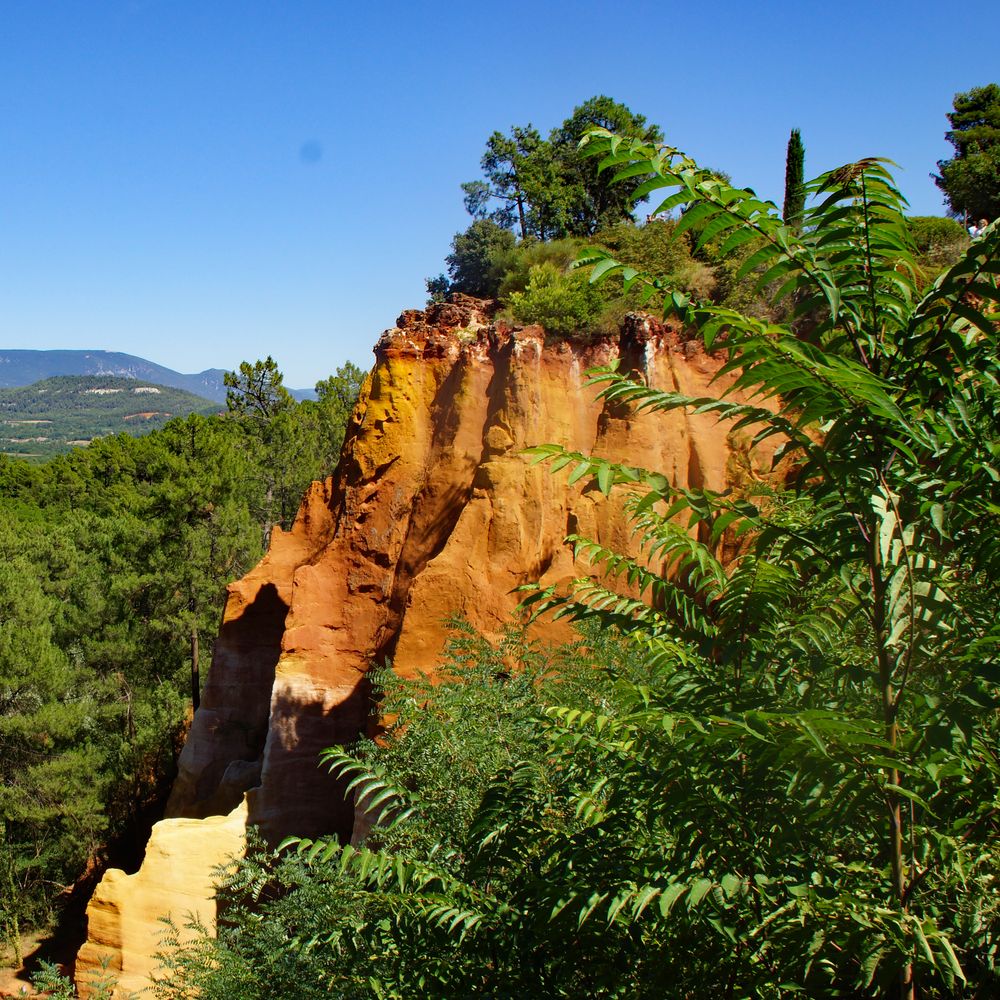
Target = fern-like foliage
(879,396)
(796,794)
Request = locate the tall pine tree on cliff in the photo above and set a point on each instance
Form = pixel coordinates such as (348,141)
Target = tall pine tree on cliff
(795,190)
(970,179)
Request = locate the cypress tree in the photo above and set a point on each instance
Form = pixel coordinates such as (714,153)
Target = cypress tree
(795,191)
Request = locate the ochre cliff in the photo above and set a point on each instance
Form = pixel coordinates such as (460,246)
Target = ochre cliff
(433,511)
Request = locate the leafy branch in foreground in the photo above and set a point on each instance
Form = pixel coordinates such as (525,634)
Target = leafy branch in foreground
(887,403)
(795,793)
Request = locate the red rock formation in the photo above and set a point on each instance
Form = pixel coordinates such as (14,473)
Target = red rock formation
(433,511)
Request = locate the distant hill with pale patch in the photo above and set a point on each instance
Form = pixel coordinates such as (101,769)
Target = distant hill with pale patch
(56,414)
(25,367)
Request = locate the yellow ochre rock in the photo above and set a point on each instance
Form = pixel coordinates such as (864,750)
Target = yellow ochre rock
(433,511)
(176,880)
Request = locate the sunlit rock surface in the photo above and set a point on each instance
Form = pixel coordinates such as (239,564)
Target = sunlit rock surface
(176,881)
(434,510)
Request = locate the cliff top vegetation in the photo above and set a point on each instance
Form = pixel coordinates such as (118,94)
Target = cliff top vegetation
(541,203)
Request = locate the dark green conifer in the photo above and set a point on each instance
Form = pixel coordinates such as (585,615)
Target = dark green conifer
(795,191)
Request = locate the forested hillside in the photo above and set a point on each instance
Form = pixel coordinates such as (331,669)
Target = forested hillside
(114,562)
(56,414)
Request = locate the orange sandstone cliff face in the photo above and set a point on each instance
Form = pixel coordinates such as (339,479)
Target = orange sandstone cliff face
(433,511)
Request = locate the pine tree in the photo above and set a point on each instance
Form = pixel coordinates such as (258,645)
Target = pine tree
(795,192)
(970,179)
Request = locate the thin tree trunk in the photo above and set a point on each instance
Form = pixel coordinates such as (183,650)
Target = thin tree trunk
(195,677)
(15,940)
(12,925)
(907,986)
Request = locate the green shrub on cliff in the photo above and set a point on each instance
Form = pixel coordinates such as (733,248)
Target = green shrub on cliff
(939,241)
(479,259)
(557,300)
(534,282)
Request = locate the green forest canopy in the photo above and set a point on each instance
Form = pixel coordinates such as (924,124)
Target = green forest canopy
(113,557)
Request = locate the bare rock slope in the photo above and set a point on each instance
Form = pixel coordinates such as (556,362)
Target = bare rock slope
(433,511)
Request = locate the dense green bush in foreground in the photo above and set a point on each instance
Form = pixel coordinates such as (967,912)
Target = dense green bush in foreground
(801,796)
(446,743)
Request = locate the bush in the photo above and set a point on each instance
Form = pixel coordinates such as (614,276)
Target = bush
(653,248)
(559,253)
(931,231)
(563,303)
(939,242)
(534,281)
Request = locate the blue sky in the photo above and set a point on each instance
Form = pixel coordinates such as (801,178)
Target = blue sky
(201,182)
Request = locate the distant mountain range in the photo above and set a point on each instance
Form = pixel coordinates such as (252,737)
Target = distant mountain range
(24,367)
(19,368)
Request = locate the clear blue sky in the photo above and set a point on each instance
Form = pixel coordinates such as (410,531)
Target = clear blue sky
(205,181)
